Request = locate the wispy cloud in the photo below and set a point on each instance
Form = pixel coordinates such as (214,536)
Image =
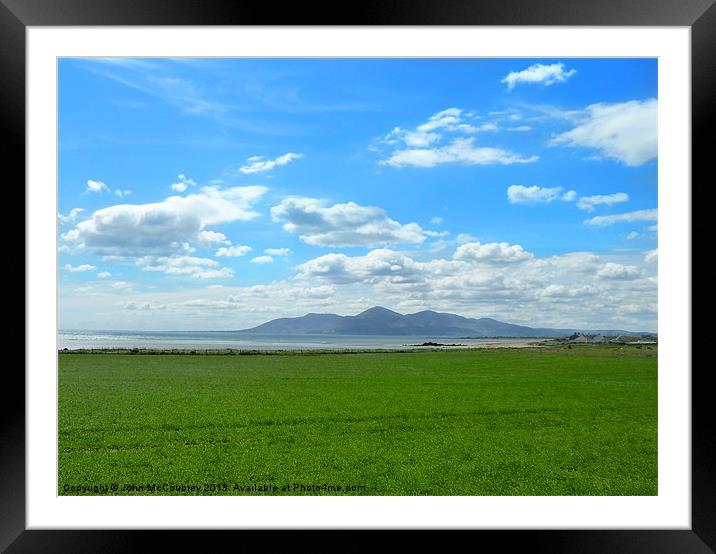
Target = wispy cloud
(639,215)
(258,164)
(588,203)
(441,140)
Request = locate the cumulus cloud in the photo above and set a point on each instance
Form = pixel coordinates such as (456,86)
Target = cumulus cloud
(639,215)
(626,132)
(209,238)
(162,228)
(377,265)
(519,194)
(104,275)
(258,164)
(261,260)
(346,224)
(494,252)
(79,268)
(651,256)
(183,183)
(99,186)
(191,266)
(96,186)
(278,251)
(588,203)
(441,140)
(70,217)
(232,251)
(618,271)
(539,74)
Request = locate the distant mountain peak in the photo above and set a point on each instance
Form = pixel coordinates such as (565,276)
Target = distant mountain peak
(377,310)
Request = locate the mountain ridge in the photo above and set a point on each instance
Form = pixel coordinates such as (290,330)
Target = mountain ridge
(383,321)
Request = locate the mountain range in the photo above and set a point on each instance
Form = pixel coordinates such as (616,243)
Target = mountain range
(385,322)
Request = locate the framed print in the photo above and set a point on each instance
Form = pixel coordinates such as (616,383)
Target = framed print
(426,268)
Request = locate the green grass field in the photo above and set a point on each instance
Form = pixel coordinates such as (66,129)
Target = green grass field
(531,421)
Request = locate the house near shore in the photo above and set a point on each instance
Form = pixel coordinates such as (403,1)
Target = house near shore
(581,338)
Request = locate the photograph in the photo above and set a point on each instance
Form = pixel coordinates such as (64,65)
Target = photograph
(357,276)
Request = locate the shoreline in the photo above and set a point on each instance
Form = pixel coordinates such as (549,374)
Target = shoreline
(297,351)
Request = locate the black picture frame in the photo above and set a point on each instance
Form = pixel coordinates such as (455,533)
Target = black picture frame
(17,15)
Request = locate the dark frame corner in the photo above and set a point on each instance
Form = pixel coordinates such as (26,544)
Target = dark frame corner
(699,15)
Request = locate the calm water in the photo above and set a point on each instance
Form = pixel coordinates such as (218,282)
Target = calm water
(211,340)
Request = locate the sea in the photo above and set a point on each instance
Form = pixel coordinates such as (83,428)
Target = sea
(222,340)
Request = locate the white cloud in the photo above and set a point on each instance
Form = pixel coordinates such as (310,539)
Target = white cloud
(539,74)
(209,238)
(191,266)
(278,251)
(257,164)
(494,252)
(165,227)
(96,186)
(104,275)
(79,268)
(520,128)
(633,235)
(436,220)
(183,183)
(626,132)
(232,251)
(121,286)
(377,265)
(99,186)
(618,271)
(434,142)
(639,215)
(346,224)
(261,260)
(651,256)
(518,194)
(569,196)
(461,150)
(588,203)
(70,217)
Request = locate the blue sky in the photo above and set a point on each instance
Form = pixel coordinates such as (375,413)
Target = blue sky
(220,193)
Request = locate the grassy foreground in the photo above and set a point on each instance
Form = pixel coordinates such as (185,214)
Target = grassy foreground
(531,421)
